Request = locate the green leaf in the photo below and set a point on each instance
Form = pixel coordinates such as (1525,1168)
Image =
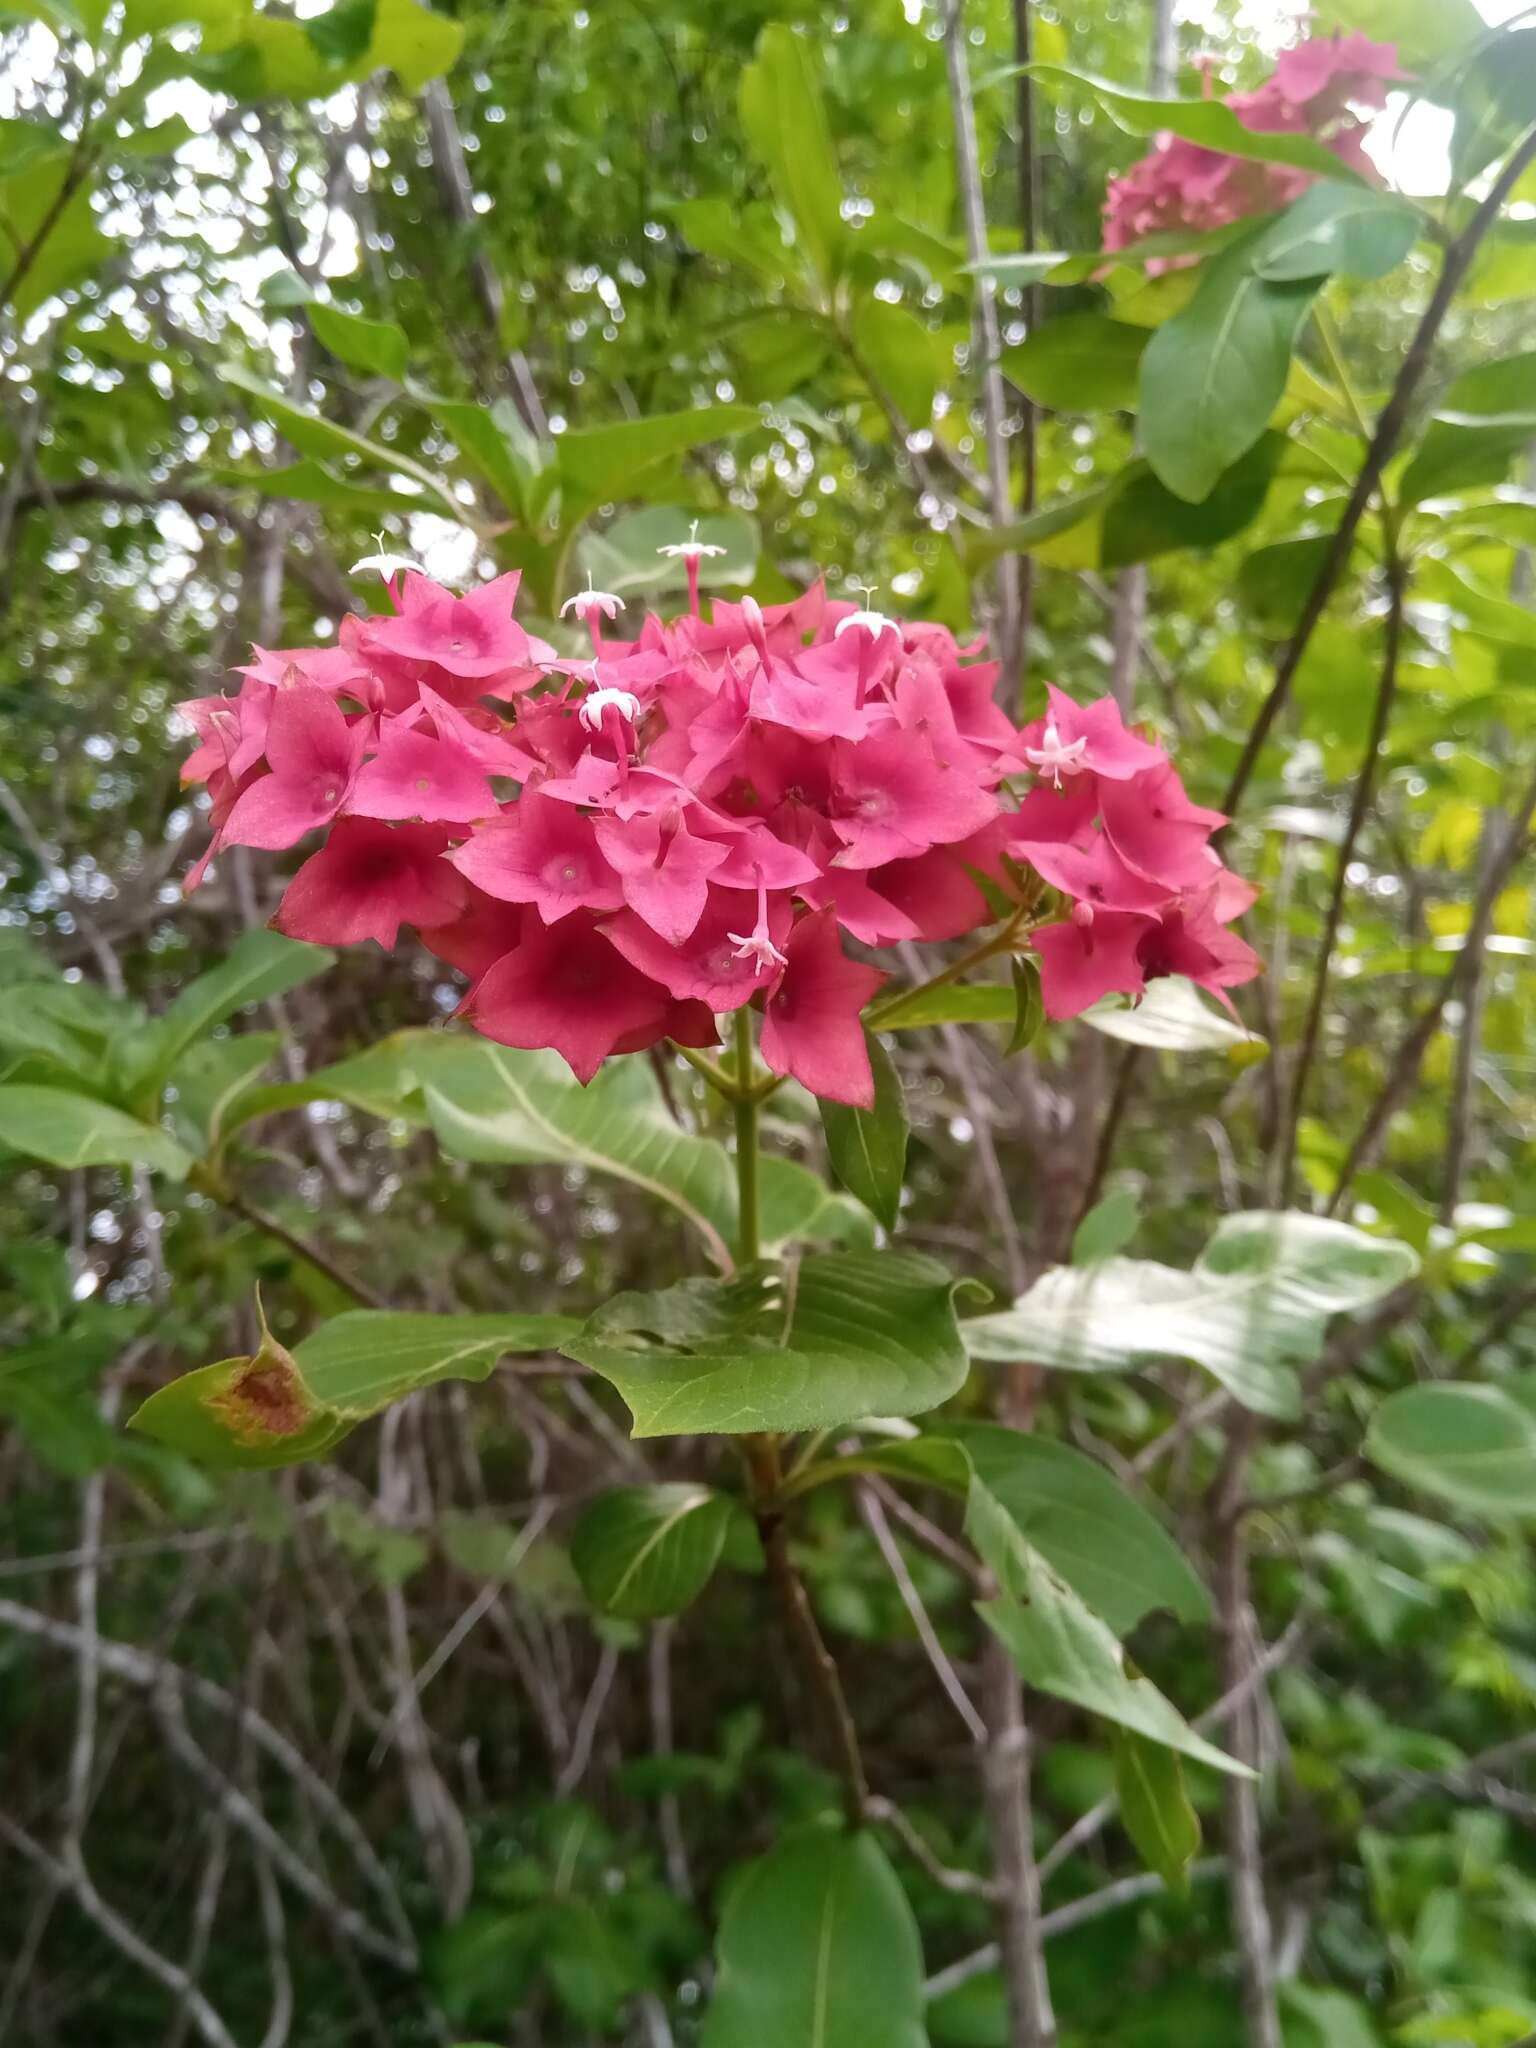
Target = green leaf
(646,1551)
(1482,426)
(783,116)
(1474,1446)
(1108,1227)
(868,1147)
(1255,1306)
(490,1103)
(1423,30)
(1171,1017)
(1208,122)
(70,1130)
(414,42)
(277,1408)
(61,231)
(377,346)
(957,1003)
(599,464)
(56,1020)
(1061,1647)
(1143,519)
(1078,362)
(1155,1808)
(1214,373)
(818,1948)
(839,1336)
(1335,229)
(261,964)
(322,439)
(1110,1550)
(905,357)
(213,1076)
(1029,1004)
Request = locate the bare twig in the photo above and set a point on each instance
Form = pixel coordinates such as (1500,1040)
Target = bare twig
(1389,426)
(875,1521)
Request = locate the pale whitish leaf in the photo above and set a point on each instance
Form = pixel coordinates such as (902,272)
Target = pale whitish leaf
(69,1130)
(1255,1306)
(1171,1017)
(818,1948)
(1474,1446)
(835,1337)
(278,1408)
(491,1103)
(1155,1808)
(1061,1647)
(646,1551)
(1107,1547)
(868,1147)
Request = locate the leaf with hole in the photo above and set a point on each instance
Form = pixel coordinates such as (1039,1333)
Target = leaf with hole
(834,1337)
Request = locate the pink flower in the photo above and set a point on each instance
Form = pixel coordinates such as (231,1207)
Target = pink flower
(811,1022)
(619,850)
(570,990)
(366,881)
(544,853)
(314,757)
(1317,89)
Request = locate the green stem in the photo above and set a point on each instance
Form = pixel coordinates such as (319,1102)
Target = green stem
(748,1231)
(1001,941)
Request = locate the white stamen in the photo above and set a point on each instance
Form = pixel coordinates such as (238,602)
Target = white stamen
(596,702)
(1055,757)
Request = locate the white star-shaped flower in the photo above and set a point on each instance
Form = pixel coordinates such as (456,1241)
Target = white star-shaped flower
(692,548)
(596,702)
(872,623)
(587,604)
(387,565)
(757,947)
(1055,757)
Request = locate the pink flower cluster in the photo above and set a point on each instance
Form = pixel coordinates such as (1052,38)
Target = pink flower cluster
(1319,89)
(619,849)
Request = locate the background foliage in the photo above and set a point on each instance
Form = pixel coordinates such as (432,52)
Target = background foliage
(376,1750)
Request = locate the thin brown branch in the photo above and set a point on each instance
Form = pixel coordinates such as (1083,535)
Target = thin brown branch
(1389,427)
